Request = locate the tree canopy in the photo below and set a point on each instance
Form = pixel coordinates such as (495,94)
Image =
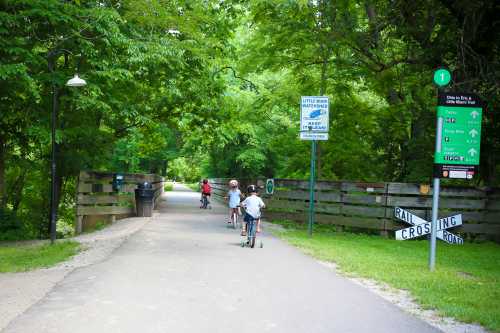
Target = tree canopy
(193,89)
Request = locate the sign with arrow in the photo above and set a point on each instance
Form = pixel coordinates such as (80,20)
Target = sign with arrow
(458,151)
(421,227)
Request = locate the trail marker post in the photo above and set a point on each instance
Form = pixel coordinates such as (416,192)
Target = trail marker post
(314,125)
(458,140)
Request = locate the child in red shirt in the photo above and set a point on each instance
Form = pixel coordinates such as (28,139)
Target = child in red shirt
(206,192)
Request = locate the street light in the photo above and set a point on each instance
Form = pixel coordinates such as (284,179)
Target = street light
(74,82)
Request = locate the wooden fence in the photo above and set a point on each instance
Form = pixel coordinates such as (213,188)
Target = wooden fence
(371,205)
(97,201)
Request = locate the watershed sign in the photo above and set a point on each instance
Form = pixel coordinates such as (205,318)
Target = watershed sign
(314,114)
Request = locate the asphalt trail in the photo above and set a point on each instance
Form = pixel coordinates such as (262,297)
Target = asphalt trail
(185,272)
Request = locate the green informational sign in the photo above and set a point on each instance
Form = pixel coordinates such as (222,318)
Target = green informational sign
(442,77)
(461,130)
(270,186)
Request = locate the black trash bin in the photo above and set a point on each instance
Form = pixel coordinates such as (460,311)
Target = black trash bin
(144,196)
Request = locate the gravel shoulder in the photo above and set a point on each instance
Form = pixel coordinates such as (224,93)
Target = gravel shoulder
(19,291)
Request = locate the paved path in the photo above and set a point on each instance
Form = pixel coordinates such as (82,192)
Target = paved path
(185,272)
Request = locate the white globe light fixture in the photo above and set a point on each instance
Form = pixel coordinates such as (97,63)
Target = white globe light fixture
(76,81)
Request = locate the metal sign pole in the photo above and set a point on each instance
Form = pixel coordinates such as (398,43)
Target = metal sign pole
(435,198)
(311,187)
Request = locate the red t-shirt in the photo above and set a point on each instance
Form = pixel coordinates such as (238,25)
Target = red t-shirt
(206,189)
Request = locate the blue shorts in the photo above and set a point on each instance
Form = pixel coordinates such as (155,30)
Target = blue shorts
(248,218)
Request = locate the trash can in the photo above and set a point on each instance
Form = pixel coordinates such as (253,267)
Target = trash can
(144,196)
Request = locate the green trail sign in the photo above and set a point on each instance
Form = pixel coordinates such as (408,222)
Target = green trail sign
(442,77)
(270,186)
(458,149)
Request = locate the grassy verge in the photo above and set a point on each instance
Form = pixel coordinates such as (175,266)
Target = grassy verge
(99,225)
(465,284)
(194,186)
(169,187)
(26,258)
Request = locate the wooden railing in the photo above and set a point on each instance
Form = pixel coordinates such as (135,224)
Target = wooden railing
(371,205)
(97,201)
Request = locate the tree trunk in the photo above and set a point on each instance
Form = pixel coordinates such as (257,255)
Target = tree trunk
(322,91)
(17,191)
(3,198)
(164,168)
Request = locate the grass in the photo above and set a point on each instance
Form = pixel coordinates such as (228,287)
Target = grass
(26,258)
(194,186)
(99,225)
(465,284)
(169,186)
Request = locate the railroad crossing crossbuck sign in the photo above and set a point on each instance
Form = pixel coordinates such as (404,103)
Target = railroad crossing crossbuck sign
(421,227)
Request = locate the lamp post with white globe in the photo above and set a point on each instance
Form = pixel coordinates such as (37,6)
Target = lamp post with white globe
(76,81)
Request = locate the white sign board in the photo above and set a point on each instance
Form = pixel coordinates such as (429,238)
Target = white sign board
(313,136)
(314,114)
(421,227)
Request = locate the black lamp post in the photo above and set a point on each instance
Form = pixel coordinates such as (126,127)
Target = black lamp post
(52,57)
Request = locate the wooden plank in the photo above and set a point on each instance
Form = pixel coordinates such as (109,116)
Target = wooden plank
(104,210)
(363,211)
(420,189)
(393,225)
(304,184)
(104,199)
(296,194)
(443,202)
(304,196)
(359,222)
(491,217)
(482,228)
(298,217)
(423,213)
(78,224)
(363,199)
(328,196)
(377,224)
(330,208)
(287,205)
(493,204)
(106,188)
(89,176)
(363,187)
(405,188)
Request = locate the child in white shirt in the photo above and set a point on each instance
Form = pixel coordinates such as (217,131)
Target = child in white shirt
(253,205)
(234,197)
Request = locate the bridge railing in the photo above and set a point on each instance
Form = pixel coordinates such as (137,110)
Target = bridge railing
(371,205)
(98,202)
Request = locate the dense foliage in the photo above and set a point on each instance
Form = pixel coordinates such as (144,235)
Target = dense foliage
(211,88)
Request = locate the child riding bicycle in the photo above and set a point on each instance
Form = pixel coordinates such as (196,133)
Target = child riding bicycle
(206,192)
(253,205)
(234,196)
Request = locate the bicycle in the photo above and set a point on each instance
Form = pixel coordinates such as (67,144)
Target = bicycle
(204,202)
(234,218)
(251,234)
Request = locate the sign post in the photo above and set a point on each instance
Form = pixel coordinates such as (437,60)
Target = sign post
(458,139)
(314,125)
